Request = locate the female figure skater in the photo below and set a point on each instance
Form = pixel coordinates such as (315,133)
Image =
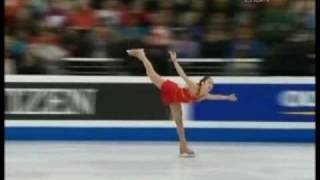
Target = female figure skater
(173,95)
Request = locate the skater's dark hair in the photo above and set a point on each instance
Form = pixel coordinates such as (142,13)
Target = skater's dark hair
(201,81)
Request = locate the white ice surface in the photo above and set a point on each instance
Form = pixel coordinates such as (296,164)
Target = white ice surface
(157,161)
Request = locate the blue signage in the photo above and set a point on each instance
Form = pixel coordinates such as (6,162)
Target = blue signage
(260,102)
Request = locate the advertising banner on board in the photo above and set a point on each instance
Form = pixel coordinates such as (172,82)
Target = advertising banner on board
(269,109)
(279,102)
(82,101)
(260,102)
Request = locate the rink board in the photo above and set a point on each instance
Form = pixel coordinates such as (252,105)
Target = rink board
(270,109)
(160,134)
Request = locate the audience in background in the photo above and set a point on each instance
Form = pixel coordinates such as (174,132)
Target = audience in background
(105,28)
(32,64)
(185,46)
(100,41)
(9,63)
(216,38)
(244,45)
(57,14)
(83,16)
(110,14)
(276,22)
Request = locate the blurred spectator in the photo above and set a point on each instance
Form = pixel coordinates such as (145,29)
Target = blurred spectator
(139,12)
(216,40)
(12,9)
(310,15)
(181,6)
(244,44)
(17,46)
(302,14)
(220,6)
(185,46)
(192,22)
(134,31)
(159,36)
(39,8)
(229,8)
(136,9)
(165,15)
(45,35)
(137,22)
(23,21)
(83,16)
(199,7)
(46,47)
(110,14)
(246,14)
(57,14)
(9,64)
(99,42)
(31,63)
(7,42)
(82,20)
(158,43)
(294,55)
(276,22)
(69,39)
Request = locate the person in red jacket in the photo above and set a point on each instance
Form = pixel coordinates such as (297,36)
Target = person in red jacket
(172,95)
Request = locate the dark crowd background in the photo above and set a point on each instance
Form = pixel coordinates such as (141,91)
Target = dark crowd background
(39,33)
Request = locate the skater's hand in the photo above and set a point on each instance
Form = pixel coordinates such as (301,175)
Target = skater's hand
(173,56)
(232,98)
(136,52)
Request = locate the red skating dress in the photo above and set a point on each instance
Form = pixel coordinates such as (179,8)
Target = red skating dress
(172,93)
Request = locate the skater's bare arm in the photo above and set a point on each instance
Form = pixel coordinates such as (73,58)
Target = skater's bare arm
(230,97)
(180,71)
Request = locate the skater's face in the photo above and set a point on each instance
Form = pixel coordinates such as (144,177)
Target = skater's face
(207,85)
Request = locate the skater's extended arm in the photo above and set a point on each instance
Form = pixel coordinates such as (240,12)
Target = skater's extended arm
(231,97)
(180,71)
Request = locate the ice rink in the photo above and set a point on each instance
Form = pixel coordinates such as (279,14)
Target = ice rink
(157,161)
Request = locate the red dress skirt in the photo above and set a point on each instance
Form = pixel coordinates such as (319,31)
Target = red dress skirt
(172,93)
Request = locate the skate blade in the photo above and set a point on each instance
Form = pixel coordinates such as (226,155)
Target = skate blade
(187,155)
